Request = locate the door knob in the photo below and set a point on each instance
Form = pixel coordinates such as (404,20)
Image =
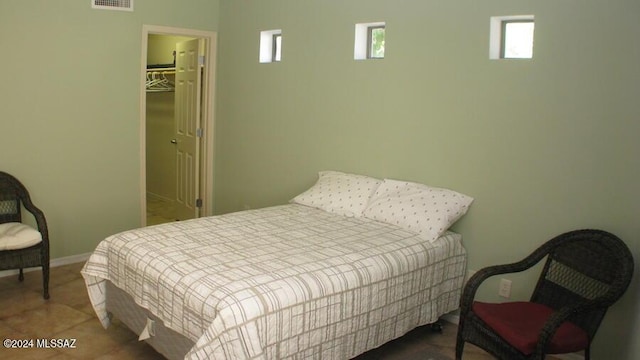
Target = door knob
(174,141)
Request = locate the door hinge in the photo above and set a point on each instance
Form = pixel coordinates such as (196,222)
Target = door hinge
(201,59)
(199,132)
(198,203)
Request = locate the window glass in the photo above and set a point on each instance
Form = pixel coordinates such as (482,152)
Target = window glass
(517,39)
(376,42)
(277,47)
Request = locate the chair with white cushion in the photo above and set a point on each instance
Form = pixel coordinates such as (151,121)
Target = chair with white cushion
(22,246)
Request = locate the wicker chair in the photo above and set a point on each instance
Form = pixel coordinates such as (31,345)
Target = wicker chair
(13,197)
(586,271)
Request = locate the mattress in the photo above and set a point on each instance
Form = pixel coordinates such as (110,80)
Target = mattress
(285,282)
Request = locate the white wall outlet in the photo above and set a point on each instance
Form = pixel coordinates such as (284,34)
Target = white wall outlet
(505,288)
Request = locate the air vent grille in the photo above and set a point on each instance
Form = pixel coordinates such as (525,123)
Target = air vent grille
(126,5)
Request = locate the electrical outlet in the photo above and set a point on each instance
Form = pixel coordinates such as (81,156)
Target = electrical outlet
(505,288)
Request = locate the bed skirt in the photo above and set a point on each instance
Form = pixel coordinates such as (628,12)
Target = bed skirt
(167,342)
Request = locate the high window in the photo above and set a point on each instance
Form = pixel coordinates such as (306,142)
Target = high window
(270,46)
(369,41)
(511,37)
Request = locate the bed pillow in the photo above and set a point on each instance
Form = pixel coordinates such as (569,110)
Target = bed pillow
(339,193)
(425,210)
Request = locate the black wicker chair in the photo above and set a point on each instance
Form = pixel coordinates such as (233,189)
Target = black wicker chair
(13,197)
(586,271)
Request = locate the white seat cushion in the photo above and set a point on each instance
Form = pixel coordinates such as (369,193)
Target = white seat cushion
(15,235)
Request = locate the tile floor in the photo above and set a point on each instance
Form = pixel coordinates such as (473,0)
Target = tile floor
(24,314)
(159,211)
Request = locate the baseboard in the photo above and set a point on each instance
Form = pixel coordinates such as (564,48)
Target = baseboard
(454,318)
(53,263)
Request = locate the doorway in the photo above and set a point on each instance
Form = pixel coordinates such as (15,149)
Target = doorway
(176,123)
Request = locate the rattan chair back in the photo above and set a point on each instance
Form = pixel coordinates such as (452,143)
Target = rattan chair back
(584,266)
(11,194)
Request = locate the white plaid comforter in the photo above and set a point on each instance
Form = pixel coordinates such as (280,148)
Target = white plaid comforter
(286,282)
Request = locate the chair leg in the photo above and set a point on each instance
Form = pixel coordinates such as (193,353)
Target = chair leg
(459,349)
(459,342)
(21,276)
(45,280)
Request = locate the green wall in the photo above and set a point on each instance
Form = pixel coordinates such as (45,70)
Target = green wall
(69,119)
(544,145)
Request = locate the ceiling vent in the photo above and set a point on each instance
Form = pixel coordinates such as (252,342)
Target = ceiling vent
(126,5)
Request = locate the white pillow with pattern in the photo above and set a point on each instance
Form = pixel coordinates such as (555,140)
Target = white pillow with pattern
(339,193)
(419,208)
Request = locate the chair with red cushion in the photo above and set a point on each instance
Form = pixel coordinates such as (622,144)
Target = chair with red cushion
(585,272)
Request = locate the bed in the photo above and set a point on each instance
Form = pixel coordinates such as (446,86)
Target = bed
(295,281)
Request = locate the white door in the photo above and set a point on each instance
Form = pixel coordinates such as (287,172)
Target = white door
(188,134)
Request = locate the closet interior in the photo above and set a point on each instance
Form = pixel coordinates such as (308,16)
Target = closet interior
(160,128)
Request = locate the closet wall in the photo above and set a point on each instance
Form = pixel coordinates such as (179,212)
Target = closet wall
(160,162)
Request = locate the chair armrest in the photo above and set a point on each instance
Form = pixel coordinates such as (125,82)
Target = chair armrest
(41,221)
(481,275)
(38,214)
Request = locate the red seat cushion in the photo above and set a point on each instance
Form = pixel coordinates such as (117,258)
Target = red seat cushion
(519,323)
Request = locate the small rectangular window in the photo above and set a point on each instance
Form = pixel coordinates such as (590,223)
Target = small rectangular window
(270,46)
(375,42)
(517,39)
(511,37)
(369,41)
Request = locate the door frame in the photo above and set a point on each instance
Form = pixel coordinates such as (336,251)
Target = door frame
(208,114)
